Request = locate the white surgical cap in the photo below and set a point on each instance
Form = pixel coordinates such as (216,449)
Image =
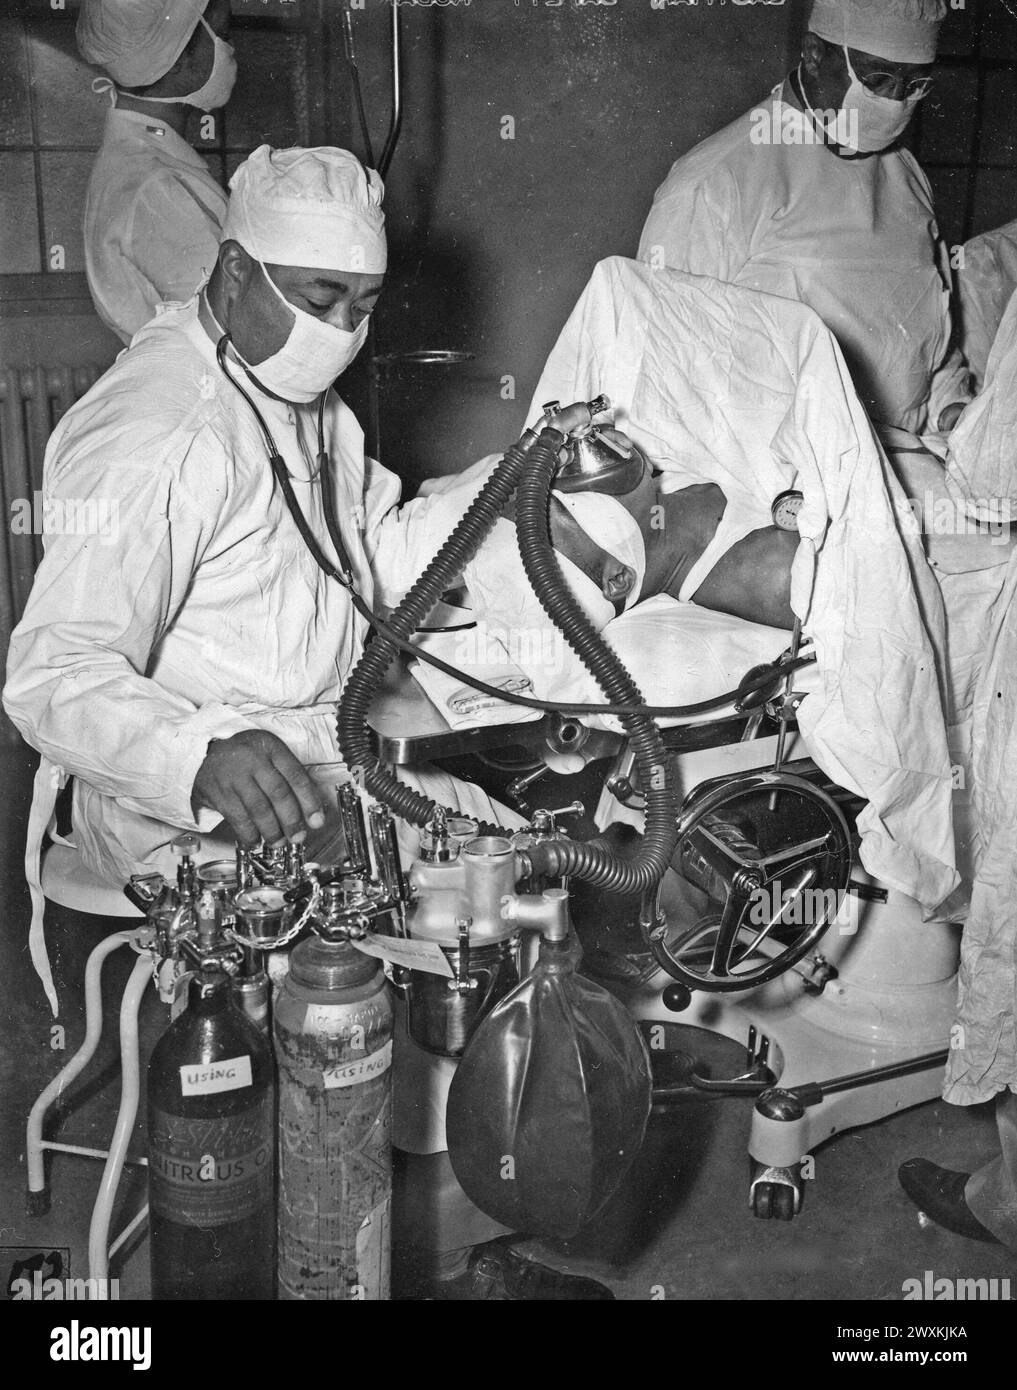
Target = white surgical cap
(136,41)
(319,208)
(901,31)
(607,522)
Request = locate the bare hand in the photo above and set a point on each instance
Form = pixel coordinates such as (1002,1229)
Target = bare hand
(255,782)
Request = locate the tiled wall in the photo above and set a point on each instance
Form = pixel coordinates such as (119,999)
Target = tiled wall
(51,121)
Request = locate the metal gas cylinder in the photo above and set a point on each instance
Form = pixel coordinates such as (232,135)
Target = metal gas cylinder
(333,1037)
(210,1116)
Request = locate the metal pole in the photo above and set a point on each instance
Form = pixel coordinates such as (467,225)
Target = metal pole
(130,1088)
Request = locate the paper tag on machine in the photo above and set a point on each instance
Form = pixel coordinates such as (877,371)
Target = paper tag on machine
(415,955)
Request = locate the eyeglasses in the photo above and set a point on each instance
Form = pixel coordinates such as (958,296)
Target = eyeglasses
(884,84)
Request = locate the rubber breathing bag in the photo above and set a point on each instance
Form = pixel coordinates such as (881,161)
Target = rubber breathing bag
(549,1104)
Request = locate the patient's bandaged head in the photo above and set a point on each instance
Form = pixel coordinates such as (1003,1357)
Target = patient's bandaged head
(497,579)
(609,524)
(511,621)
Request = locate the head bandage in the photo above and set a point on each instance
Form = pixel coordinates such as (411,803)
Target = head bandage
(136,41)
(611,526)
(504,601)
(901,31)
(318,208)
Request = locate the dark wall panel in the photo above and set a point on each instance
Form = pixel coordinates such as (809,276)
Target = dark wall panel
(493,239)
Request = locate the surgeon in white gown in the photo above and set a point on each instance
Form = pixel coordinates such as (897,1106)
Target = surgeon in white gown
(982,1205)
(843,222)
(153,211)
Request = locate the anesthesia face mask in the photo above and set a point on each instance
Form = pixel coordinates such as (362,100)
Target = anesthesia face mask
(598,458)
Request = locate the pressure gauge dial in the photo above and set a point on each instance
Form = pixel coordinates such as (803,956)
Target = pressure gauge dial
(785,509)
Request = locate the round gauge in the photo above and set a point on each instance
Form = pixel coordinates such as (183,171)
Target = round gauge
(259,901)
(785,509)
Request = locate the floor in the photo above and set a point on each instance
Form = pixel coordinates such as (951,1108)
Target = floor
(680,1229)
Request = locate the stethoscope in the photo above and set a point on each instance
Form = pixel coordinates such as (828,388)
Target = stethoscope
(345,575)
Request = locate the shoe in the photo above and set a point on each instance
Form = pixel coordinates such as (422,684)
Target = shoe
(497,1273)
(939,1192)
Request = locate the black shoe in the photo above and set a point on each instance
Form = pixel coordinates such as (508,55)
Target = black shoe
(939,1192)
(496,1272)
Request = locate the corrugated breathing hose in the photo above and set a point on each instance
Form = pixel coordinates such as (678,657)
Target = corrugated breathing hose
(529,466)
(591,862)
(444,570)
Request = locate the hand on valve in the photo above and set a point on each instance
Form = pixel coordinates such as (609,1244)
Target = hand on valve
(254,781)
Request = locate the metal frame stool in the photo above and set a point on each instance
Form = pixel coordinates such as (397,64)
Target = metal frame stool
(68,883)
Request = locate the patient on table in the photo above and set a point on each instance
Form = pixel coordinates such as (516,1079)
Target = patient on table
(635,563)
(688,590)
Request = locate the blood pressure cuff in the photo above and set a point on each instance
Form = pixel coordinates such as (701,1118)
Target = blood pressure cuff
(549,1104)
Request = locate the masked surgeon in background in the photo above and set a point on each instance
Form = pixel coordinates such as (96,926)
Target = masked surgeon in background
(835,215)
(153,211)
(185,666)
(982,1063)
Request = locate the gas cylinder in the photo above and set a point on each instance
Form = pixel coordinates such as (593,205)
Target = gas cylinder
(333,1036)
(211,1104)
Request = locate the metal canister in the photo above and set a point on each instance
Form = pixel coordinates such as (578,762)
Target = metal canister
(467,922)
(442,1014)
(333,1037)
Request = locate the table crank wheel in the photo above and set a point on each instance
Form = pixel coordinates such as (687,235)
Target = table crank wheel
(773,852)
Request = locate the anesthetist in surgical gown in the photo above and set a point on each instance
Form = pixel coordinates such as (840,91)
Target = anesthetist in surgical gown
(844,221)
(185,664)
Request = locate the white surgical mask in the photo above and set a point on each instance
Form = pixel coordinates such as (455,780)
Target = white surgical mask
(311,358)
(218,89)
(872,122)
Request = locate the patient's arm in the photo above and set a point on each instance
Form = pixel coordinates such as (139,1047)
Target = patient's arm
(752,580)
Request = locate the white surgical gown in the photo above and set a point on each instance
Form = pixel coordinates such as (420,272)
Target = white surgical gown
(985,284)
(855,239)
(153,213)
(982,468)
(196,611)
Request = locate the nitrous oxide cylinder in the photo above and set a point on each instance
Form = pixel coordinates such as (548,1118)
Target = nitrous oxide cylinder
(333,1035)
(211,1100)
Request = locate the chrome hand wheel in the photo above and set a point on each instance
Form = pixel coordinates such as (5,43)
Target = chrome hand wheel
(773,852)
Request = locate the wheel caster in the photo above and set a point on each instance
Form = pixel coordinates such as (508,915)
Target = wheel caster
(776,1193)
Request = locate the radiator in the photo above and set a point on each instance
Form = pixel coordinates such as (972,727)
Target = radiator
(32,400)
